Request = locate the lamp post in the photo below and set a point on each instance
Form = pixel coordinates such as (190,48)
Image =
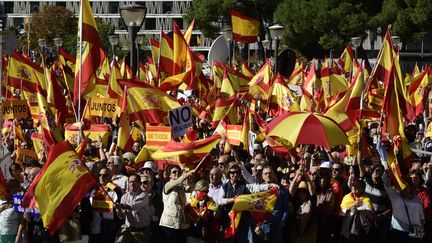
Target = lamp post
(266,45)
(58,42)
(139,43)
(276,32)
(396,41)
(133,16)
(113,40)
(356,42)
(227,34)
(241,46)
(42,45)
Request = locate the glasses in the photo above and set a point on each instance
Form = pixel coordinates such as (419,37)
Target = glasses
(175,172)
(259,171)
(221,164)
(144,182)
(336,169)
(234,172)
(134,181)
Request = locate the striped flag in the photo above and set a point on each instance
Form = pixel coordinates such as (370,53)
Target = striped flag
(244,29)
(59,187)
(92,54)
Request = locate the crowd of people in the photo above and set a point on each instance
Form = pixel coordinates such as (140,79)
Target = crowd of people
(323,195)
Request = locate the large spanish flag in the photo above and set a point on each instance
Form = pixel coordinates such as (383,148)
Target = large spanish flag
(282,99)
(244,29)
(180,50)
(148,103)
(23,74)
(259,85)
(59,186)
(92,54)
(417,90)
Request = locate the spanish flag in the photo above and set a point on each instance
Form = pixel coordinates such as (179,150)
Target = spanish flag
(259,85)
(180,50)
(282,99)
(93,132)
(227,89)
(147,103)
(246,70)
(92,54)
(346,59)
(114,89)
(124,138)
(187,153)
(260,205)
(241,81)
(59,186)
(188,33)
(244,29)
(23,74)
(417,90)
(225,110)
(332,82)
(166,57)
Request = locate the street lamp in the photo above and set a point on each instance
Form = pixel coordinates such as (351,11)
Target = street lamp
(139,43)
(266,45)
(58,42)
(133,16)
(356,42)
(227,34)
(241,46)
(276,32)
(396,40)
(113,40)
(42,44)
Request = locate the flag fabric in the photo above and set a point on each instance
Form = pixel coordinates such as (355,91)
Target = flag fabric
(332,82)
(259,85)
(124,138)
(282,99)
(244,29)
(179,50)
(187,153)
(225,110)
(260,205)
(23,74)
(346,59)
(166,57)
(50,130)
(417,90)
(188,33)
(93,132)
(114,89)
(227,89)
(148,104)
(59,187)
(239,82)
(92,53)
(246,70)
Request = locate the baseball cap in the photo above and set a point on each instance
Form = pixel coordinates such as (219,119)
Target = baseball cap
(326,165)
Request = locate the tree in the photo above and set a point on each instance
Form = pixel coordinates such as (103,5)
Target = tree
(52,22)
(410,19)
(212,15)
(314,27)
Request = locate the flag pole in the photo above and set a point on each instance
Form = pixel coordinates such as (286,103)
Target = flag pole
(80,60)
(359,138)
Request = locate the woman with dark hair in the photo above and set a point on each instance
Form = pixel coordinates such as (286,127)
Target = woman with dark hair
(173,218)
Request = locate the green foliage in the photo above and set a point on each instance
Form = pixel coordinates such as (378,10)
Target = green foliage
(49,23)
(314,27)
(410,19)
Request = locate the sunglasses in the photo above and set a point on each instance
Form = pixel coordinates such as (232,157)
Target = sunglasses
(259,171)
(145,182)
(175,172)
(336,169)
(234,172)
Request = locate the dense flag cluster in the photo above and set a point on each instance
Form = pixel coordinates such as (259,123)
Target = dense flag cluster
(340,94)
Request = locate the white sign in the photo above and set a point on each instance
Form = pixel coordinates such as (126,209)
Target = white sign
(252,138)
(180,120)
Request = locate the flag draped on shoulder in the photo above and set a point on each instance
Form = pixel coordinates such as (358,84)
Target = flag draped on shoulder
(244,29)
(59,186)
(92,54)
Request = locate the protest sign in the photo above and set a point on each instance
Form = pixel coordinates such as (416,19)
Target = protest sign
(13,108)
(180,120)
(234,134)
(158,135)
(102,107)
